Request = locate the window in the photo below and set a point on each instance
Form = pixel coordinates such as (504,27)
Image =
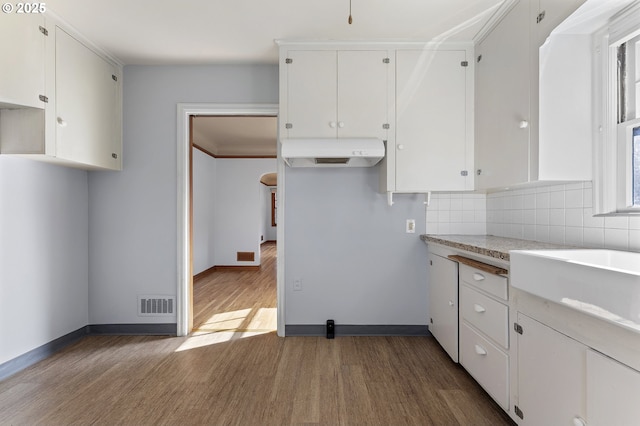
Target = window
(274,208)
(617,150)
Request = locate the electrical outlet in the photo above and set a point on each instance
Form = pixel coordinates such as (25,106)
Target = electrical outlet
(411,226)
(297,284)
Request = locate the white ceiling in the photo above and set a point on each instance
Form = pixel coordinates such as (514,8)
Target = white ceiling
(243,31)
(236,136)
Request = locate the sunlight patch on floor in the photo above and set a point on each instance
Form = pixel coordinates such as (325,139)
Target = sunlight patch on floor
(232,325)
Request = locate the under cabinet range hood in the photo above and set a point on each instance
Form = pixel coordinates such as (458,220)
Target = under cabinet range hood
(321,152)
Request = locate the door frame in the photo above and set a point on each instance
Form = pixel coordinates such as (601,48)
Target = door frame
(185,111)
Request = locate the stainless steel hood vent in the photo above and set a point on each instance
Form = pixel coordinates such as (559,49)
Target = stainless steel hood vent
(320,152)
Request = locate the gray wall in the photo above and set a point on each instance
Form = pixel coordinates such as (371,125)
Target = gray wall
(204,195)
(43,254)
(133,214)
(357,264)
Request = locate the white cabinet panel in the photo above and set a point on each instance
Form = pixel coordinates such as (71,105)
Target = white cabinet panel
(311,94)
(503,74)
(362,94)
(336,94)
(443,303)
(22,60)
(507,101)
(486,363)
(432,148)
(551,375)
(493,284)
(87,113)
(612,392)
(487,315)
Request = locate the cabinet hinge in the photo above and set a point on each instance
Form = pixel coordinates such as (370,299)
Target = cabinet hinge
(464,173)
(518,412)
(385,126)
(288,61)
(43,30)
(431,320)
(43,98)
(386,60)
(288,126)
(114,155)
(517,327)
(479,58)
(114,77)
(540,17)
(464,63)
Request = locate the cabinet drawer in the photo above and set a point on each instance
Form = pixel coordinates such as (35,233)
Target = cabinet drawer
(487,315)
(492,284)
(486,363)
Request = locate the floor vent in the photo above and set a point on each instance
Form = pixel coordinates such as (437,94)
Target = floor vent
(156,305)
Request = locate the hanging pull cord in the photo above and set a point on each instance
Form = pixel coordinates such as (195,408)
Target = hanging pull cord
(350,18)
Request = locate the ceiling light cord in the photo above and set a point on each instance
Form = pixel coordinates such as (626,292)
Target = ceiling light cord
(350,18)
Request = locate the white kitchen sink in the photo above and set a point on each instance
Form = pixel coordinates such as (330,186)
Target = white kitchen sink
(603,283)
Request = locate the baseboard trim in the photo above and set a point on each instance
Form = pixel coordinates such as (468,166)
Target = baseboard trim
(40,353)
(357,330)
(163,329)
(237,268)
(204,273)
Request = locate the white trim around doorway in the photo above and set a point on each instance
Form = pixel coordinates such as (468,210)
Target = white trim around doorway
(184,111)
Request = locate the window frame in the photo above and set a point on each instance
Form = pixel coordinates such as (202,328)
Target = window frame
(613,177)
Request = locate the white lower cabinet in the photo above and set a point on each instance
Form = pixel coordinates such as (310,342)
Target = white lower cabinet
(484,329)
(443,303)
(561,381)
(613,390)
(551,378)
(486,362)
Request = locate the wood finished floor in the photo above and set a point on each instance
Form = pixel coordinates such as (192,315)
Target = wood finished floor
(246,375)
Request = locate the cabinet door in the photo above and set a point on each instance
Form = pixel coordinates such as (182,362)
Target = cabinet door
(612,392)
(443,303)
(431,142)
(502,102)
(362,94)
(311,94)
(551,375)
(22,60)
(87,110)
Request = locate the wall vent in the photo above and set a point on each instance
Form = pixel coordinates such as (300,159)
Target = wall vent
(156,305)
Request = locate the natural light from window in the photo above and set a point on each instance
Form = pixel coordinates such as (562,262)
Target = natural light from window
(233,325)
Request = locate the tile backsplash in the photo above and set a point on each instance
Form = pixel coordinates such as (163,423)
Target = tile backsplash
(560,213)
(457,213)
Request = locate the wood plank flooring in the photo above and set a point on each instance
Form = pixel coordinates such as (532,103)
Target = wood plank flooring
(246,375)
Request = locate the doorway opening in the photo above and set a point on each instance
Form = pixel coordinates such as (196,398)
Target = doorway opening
(185,295)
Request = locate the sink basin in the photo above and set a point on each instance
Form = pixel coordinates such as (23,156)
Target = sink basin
(602,283)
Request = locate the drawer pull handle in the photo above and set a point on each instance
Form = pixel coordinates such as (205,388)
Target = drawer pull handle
(477,276)
(451,303)
(480,350)
(479,309)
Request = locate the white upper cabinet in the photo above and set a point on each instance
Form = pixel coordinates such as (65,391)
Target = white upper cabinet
(433,147)
(22,60)
(509,149)
(80,122)
(335,94)
(502,102)
(87,98)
